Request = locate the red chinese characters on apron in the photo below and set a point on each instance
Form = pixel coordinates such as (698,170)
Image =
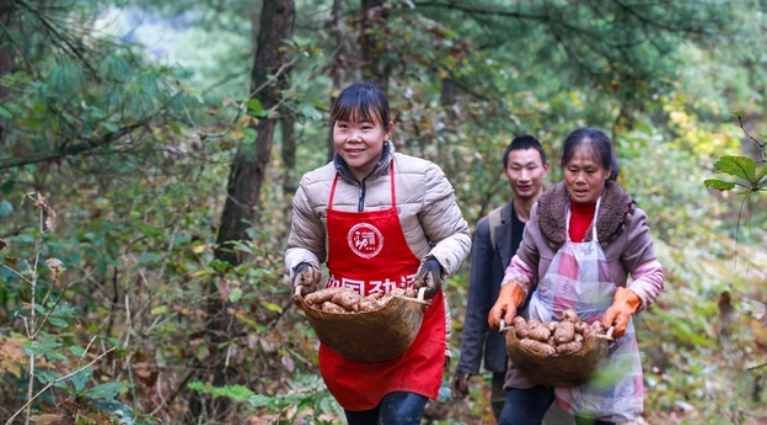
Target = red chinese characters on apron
(368,252)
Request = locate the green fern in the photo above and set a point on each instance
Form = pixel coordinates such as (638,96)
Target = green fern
(238,393)
(307,393)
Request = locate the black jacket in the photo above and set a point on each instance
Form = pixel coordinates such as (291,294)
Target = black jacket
(487,270)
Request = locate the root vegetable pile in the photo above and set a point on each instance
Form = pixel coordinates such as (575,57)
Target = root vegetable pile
(551,338)
(345,300)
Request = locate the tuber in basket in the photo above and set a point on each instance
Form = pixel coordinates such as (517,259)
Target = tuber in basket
(558,370)
(369,336)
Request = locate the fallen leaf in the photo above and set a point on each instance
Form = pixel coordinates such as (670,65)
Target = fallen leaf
(12,356)
(55,265)
(267,346)
(288,362)
(40,201)
(50,220)
(46,419)
(272,306)
(199,249)
(223,288)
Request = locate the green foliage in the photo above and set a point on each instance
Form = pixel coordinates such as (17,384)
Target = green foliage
(307,399)
(49,345)
(688,365)
(238,393)
(744,169)
(138,208)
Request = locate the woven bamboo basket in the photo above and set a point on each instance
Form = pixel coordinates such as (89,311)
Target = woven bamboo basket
(568,370)
(369,336)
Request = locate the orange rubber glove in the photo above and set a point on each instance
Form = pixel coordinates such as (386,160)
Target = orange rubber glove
(505,307)
(625,303)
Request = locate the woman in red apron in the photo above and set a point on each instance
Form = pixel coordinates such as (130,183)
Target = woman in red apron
(584,238)
(380,220)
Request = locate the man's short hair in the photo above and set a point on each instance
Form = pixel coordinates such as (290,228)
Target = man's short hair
(524,142)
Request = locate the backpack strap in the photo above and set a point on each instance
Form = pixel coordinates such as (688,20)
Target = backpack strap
(495,220)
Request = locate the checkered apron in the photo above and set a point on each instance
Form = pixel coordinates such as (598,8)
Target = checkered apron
(578,278)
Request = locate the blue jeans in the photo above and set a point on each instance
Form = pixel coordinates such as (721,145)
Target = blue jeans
(528,406)
(400,408)
(498,394)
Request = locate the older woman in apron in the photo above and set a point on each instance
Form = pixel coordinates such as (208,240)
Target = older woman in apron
(380,220)
(584,238)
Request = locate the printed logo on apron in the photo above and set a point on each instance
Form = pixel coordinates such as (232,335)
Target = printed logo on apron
(365,240)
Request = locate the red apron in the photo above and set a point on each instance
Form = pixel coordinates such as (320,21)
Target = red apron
(368,252)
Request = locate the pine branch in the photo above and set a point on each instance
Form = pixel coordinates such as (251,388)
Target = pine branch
(59,38)
(67,150)
(462,7)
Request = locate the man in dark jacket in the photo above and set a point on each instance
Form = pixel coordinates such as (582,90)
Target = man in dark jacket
(496,239)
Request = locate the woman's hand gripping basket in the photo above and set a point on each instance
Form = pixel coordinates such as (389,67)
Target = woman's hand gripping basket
(557,354)
(369,329)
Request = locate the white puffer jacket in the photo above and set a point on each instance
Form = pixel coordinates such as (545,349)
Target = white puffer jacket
(431,220)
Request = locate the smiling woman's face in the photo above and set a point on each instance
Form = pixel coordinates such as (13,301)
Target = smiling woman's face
(360,144)
(585,177)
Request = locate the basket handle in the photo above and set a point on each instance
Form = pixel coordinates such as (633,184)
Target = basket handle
(503,327)
(608,335)
(421,293)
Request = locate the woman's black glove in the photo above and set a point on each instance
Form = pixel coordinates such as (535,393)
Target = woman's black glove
(459,386)
(431,276)
(307,276)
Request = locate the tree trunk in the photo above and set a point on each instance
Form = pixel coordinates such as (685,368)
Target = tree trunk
(246,175)
(338,71)
(7,54)
(248,169)
(7,59)
(374,68)
(447,98)
(289,183)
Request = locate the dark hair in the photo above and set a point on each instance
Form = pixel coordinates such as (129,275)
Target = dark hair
(598,142)
(361,102)
(524,142)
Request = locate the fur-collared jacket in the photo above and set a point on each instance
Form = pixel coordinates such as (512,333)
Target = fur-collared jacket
(431,220)
(621,230)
